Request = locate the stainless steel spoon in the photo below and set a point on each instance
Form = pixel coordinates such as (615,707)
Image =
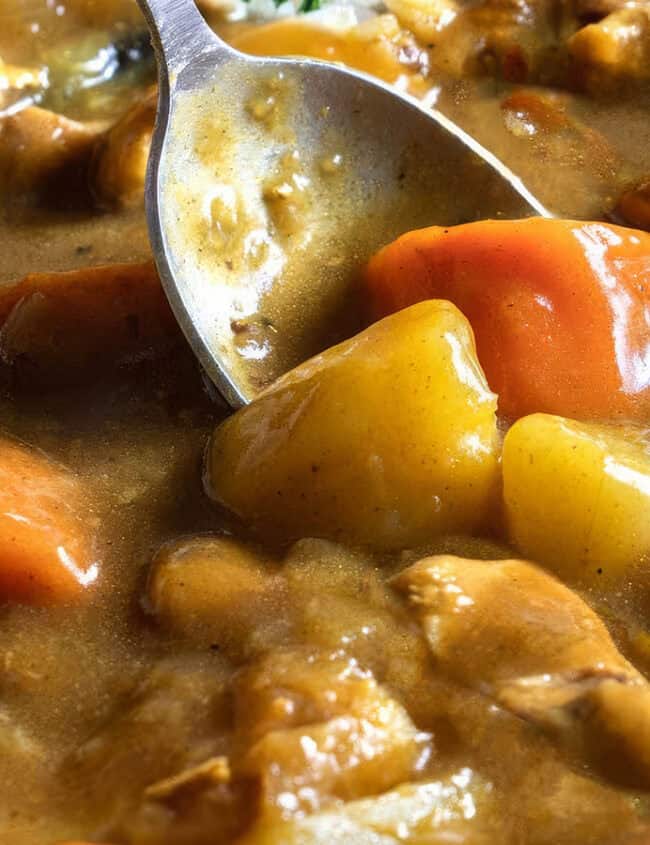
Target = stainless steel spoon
(271,180)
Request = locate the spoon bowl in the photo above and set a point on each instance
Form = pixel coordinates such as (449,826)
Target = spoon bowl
(271,181)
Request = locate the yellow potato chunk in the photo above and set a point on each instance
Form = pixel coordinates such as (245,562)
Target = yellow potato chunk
(386,440)
(577,496)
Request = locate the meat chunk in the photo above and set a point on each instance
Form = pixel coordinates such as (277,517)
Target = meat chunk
(614,52)
(451,808)
(174,721)
(45,157)
(327,731)
(297,731)
(508,629)
(516,40)
(120,158)
(215,591)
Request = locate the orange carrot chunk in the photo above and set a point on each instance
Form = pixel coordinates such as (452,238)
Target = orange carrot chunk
(560,309)
(46,550)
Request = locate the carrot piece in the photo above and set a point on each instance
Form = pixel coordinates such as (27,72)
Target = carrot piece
(46,550)
(107,292)
(559,308)
(60,328)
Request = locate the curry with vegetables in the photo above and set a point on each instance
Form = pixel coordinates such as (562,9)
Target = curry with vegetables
(402,596)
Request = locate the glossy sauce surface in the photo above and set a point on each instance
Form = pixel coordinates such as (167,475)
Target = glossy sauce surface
(213,688)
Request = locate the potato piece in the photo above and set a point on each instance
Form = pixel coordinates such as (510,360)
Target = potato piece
(121,155)
(388,439)
(577,496)
(215,591)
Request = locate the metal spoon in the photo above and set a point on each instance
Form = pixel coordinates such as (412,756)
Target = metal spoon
(259,276)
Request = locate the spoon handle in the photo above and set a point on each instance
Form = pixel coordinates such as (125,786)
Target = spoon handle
(179,33)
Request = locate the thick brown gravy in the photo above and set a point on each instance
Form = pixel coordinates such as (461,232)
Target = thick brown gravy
(106,703)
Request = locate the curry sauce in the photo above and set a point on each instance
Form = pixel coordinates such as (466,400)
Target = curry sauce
(400,597)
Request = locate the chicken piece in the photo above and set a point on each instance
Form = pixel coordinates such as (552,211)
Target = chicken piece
(202,805)
(340,602)
(516,40)
(45,156)
(174,720)
(508,629)
(612,53)
(320,729)
(309,730)
(216,592)
(450,808)
(429,20)
(120,157)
